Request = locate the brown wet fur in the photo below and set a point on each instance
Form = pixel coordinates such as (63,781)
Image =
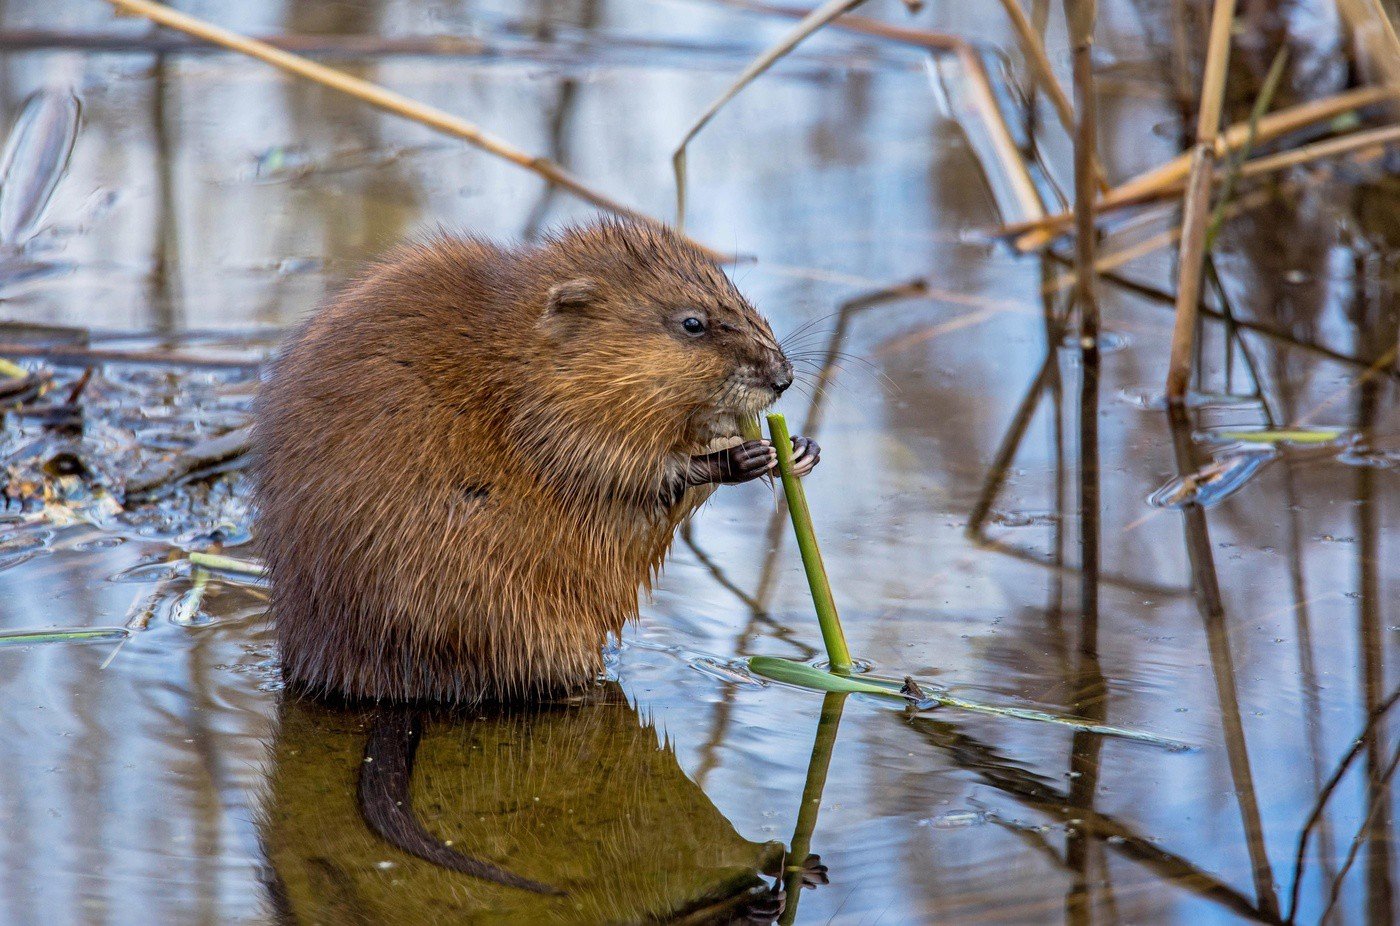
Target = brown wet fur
(469,460)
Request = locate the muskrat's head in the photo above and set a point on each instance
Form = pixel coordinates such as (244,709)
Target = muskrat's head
(651,320)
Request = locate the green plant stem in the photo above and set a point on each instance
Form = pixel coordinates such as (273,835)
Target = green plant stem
(226,563)
(67,635)
(837,654)
(787,672)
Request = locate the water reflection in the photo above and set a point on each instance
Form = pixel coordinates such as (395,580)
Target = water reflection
(586,798)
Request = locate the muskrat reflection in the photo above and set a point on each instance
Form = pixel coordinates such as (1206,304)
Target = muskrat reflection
(551,813)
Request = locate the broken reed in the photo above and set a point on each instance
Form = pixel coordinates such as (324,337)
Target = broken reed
(1196,211)
(837,654)
(389,101)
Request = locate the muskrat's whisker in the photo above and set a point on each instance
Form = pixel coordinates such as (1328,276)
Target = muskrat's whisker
(808,326)
(872,366)
(799,329)
(805,328)
(808,341)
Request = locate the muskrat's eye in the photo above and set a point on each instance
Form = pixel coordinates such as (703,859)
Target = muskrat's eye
(693,325)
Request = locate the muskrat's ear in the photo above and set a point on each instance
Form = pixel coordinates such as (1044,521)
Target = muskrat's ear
(573,296)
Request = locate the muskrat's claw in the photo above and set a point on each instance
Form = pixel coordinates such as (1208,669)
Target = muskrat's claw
(814,873)
(734,465)
(806,454)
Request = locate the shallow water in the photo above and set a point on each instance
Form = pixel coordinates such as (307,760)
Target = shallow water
(167,780)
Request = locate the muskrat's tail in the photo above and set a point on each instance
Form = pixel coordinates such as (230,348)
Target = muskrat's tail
(386,806)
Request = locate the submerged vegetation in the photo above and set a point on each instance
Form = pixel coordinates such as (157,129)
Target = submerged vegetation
(1046,499)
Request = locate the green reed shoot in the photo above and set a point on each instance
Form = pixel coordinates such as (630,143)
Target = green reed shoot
(837,654)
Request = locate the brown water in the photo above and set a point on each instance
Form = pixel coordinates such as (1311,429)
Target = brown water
(167,781)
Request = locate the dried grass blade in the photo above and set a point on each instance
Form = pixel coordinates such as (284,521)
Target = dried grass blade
(810,23)
(377,96)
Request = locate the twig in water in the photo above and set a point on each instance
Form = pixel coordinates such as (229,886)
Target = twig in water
(227,564)
(70,635)
(206,453)
(76,392)
(84,356)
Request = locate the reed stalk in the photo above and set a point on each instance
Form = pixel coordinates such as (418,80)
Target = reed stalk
(1081,16)
(837,654)
(1331,147)
(1196,209)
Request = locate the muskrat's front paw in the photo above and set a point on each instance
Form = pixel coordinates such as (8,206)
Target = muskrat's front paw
(733,465)
(805,455)
(749,460)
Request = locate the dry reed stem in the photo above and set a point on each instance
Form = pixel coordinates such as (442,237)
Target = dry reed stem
(1377,46)
(1331,147)
(1190,268)
(1081,16)
(1213,80)
(1196,210)
(810,23)
(1112,260)
(1044,74)
(379,97)
(1034,235)
(983,95)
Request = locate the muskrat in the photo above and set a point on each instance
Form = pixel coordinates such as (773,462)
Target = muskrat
(474,457)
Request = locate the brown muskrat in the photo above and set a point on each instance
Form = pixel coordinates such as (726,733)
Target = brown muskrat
(474,457)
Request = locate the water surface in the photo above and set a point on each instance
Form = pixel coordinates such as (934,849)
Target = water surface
(210,203)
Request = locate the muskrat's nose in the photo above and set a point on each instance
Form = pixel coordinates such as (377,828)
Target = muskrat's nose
(783,377)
